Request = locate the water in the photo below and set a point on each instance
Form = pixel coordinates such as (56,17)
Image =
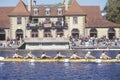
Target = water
(59,71)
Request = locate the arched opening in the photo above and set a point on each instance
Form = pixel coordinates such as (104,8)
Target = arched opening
(19,34)
(47,33)
(2,34)
(34,33)
(93,32)
(75,33)
(111,33)
(59,32)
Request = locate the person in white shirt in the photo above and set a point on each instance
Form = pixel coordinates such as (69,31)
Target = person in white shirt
(89,55)
(118,56)
(75,56)
(16,56)
(30,55)
(104,56)
(44,55)
(59,56)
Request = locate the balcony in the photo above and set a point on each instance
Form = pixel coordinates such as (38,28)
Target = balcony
(49,25)
(61,25)
(33,26)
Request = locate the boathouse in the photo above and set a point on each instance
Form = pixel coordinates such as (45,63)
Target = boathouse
(50,26)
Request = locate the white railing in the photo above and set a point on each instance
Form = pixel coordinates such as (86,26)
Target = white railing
(48,39)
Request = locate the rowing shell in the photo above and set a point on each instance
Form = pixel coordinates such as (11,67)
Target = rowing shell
(57,60)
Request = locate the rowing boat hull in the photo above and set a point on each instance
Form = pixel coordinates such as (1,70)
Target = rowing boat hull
(57,60)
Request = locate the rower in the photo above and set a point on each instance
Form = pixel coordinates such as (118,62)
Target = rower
(75,56)
(45,56)
(118,56)
(30,55)
(16,56)
(59,56)
(104,56)
(89,55)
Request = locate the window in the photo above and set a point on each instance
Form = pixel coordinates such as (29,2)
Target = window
(19,20)
(47,33)
(60,22)
(35,11)
(75,20)
(59,19)
(47,11)
(47,20)
(35,20)
(93,32)
(59,32)
(34,33)
(59,11)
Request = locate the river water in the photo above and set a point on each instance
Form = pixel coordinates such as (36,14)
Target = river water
(59,71)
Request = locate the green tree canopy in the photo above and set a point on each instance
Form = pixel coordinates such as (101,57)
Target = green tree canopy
(112,9)
(69,2)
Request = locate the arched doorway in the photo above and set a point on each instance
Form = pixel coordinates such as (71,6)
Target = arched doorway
(19,33)
(59,32)
(111,33)
(34,33)
(2,34)
(93,32)
(47,33)
(75,33)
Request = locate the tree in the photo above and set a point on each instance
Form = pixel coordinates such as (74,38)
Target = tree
(69,2)
(112,9)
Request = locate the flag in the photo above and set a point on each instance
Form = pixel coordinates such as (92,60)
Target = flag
(47,25)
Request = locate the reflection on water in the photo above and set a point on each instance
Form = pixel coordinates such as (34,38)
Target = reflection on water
(59,71)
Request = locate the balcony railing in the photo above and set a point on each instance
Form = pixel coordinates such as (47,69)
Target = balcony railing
(32,26)
(51,25)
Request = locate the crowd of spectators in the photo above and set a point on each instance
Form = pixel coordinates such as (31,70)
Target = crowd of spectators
(11,43)
(94,41)
(74,42)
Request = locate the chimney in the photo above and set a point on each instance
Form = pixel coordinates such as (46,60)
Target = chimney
(66,4)
(29,5)
(34,2)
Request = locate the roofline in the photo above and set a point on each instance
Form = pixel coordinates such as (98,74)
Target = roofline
(17,15)
(75,14)
(49,16)
(4,28)
(104,27)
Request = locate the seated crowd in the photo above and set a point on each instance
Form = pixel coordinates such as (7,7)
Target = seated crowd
(59,55)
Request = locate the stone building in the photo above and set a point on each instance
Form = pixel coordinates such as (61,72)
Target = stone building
(33,22)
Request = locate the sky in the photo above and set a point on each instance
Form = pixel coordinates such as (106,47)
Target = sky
(100,3)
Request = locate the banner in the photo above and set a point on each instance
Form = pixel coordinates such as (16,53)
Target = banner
(47,25)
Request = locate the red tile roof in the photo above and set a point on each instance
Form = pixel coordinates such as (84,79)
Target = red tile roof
(94,18)
(4,18)
(93,14)
(53,10)
(20,10)
(101,23)
(74,9)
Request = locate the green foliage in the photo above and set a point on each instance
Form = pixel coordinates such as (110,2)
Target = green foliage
(60,4)
(113,10)
(69,2)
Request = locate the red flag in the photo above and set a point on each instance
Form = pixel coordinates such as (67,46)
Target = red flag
(47,25)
